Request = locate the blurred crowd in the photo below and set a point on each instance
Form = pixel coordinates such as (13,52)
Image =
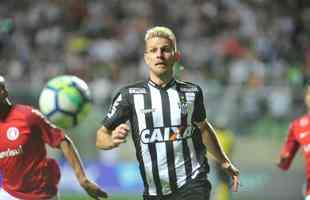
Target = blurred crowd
(252,57)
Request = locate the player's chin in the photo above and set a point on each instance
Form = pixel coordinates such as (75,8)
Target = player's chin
(161,66)
(160,70)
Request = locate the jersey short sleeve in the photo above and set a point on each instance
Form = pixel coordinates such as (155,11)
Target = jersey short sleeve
(50,134)
(199,113)
(290,147)
(119,110)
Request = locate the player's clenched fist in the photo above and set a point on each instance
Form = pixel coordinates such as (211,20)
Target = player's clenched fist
(108,139)
(119,134)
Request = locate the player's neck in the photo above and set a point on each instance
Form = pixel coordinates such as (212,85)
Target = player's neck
(5,107)
(161,81)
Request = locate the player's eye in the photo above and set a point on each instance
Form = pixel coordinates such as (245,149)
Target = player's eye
(162,50)
(166,50)
(152,50)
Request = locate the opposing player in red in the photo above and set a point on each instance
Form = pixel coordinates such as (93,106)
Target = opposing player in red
(298,137)
(26,171)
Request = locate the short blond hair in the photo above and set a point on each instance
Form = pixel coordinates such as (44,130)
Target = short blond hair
(161,31)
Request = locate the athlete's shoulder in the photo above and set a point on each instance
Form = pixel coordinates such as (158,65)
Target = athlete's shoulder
(22,109)
(188,86)
(27,111)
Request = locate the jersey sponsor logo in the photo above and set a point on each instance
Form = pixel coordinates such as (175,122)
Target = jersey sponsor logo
(137,91)
(190,96)
(12,133)
(114,106)
(145,111)
(185,106)
(186,89)
(11,152)
(165,134)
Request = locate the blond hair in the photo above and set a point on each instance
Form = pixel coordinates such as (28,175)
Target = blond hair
(161,31)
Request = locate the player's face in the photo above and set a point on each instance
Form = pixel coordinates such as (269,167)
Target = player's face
(160,56)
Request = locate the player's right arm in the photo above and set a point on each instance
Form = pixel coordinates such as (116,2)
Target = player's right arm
(114,129)
(109,139)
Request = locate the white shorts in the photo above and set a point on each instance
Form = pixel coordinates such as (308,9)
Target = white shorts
(307,197)
(5,195)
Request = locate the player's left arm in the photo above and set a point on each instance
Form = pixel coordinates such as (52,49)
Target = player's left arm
(70,152)
(211,140)
(214,147)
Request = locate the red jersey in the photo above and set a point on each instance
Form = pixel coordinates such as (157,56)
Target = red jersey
(298,136)
(27,172)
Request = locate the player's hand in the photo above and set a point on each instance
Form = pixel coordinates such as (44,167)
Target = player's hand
(93,189)
(284,161)
(119,134)
(234,173)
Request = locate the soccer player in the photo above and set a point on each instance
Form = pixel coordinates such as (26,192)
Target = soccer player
(169,127)
(26,171)
(298,136)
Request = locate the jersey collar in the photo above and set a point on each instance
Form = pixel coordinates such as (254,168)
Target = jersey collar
(167,86)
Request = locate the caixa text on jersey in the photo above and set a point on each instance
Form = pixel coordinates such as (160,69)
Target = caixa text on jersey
(164,134)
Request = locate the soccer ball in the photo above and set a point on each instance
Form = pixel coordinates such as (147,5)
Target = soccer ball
(65,101)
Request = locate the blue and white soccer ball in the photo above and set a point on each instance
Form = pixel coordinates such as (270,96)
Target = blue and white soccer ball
(65,101)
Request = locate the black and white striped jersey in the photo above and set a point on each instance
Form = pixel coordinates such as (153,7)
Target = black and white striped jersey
(168,145)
